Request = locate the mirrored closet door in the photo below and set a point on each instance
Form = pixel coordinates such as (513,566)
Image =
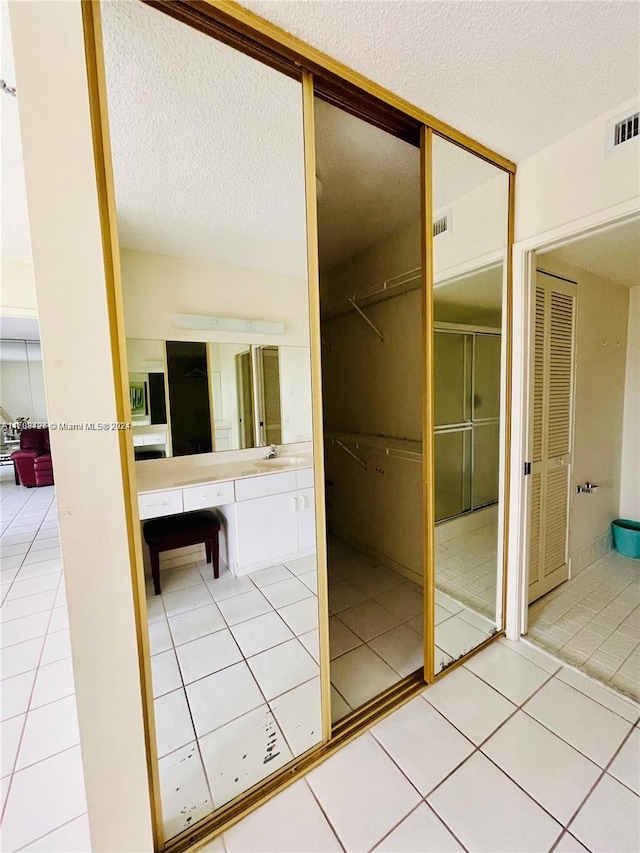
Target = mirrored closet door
(369,240)
(208,164)
(470,230)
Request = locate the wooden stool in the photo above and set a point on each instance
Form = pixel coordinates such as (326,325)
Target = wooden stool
(178,531)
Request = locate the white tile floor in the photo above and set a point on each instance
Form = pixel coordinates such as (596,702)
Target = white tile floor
(548,757)
(43,797)
(510,752)
(376,627)
(466,568)
(593,621)
(235,680)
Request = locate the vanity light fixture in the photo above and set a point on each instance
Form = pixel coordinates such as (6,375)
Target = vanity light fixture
(225,324)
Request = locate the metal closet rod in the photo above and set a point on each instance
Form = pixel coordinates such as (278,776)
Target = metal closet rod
(386,287)
(384,290)
(373,443)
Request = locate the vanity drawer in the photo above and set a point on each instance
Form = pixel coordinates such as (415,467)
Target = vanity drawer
(266,484)
(155,504)
(210,494)
(304,478)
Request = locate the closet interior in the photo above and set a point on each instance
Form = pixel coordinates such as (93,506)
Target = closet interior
(369,244)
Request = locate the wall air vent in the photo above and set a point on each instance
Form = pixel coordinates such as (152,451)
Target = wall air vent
(442,223)
(622,131)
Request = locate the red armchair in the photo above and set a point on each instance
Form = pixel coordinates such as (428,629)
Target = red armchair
(33,461)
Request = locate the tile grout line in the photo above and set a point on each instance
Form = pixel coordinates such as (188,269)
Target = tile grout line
(266,702)
(40,837)
(605,772)
(580,668)
(324,814)
(28,709)
(520,707)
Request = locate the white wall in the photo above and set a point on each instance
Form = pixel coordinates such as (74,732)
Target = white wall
(74,317)
(295,394)
(18,291)
(145,356)
(572,178)
(157,286)
(22,388)
(630,472)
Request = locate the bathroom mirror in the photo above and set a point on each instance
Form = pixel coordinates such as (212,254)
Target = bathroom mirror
(207,148)
(470,214)
(199,397)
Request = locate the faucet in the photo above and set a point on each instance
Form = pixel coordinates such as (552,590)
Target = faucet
(272,454)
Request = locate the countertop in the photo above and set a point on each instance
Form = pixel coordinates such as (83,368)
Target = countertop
(178,478)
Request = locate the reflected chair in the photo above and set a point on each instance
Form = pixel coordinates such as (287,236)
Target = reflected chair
(33,465)
(180,531)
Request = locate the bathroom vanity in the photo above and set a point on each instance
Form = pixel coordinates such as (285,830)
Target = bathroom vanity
(265,506)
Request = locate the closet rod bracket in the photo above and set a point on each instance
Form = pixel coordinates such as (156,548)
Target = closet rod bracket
(351,453)
(354,305)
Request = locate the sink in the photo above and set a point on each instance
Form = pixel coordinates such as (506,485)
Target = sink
(284,462)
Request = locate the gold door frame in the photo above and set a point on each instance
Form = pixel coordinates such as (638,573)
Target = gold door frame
(328,79)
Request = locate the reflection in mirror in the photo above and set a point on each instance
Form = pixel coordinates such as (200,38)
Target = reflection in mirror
(470,200)
(209,187)
(21,385)
(369,250)
(187,376)
(221,396)
(148,399)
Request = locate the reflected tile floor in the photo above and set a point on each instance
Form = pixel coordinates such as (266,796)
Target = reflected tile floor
(466,567)
(538,757)
(235,679)
(43,796)
(593,621)
(376,627)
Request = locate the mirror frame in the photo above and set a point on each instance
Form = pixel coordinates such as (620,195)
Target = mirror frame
(330,80)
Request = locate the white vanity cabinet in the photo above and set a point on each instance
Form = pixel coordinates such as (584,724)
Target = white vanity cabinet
(306,510)
(267,529)
(266,518)
(275,519)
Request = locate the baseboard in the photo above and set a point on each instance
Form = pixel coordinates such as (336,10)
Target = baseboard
(379,557)
(587,555)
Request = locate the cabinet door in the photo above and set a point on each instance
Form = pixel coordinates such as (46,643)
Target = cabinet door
(267,529)
(306,520)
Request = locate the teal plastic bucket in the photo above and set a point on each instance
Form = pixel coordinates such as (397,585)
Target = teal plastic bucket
(626,537)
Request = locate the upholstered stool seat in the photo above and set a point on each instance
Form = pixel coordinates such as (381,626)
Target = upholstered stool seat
(180,531)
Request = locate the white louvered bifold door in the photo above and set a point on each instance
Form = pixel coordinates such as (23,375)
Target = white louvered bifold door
(551,426)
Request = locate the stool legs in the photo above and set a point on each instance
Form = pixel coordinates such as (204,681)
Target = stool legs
(212,550)
(155,568)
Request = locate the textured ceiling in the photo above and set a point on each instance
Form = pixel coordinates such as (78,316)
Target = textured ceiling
(207,145)
(514,74)
(370,184)
(613,254)
(190,116)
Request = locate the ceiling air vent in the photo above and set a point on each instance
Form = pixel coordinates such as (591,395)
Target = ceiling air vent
(442,224)
(622,131)
(626,129)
